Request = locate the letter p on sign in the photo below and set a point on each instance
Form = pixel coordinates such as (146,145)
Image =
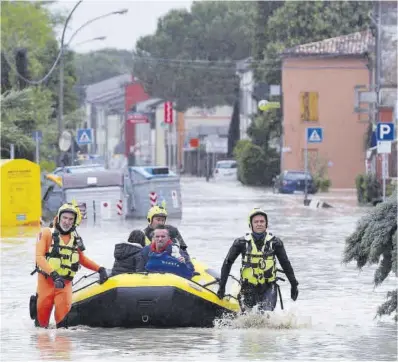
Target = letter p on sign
(385,131)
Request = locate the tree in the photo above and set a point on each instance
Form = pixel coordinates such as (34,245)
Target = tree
(22,112)
(96,66)
(300,22)
(252,165)
(29,26)
(266,126)
(212,32)
(70,77)
(264,10)
(375,242)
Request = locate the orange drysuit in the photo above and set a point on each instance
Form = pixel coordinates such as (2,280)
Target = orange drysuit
(48,295)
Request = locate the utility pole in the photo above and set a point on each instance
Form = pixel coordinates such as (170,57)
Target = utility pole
(61,93)
(378,87)
(62,63)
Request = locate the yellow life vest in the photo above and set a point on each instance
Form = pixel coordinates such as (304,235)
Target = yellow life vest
(63,258)
(259,266)
(147,240)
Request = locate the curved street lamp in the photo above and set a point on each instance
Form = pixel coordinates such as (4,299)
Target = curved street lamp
(119,12)
(99,38)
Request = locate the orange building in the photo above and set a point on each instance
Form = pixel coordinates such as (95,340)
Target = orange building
(318,84)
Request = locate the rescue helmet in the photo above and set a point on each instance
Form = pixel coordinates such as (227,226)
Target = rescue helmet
(156,211)
(68,207)
(257,211)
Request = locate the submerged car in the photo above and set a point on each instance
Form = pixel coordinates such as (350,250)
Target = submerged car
(291,182)
(226,170)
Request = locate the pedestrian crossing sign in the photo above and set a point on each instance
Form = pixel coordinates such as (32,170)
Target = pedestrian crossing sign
(84,136)
(314,135)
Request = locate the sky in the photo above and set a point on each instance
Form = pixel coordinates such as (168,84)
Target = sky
(121,31)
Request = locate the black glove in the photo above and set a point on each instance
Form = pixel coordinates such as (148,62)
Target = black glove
(294,292)
(103,275)
(221,292)
(58,281)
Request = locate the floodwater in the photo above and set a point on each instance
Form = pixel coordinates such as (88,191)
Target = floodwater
(333,318)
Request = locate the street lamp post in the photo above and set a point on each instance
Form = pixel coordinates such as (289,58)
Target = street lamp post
(62,64)
(62,80)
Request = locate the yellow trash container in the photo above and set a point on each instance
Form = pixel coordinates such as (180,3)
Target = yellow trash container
(20,193)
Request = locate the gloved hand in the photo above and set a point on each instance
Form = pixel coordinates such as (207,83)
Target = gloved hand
(294,292)
(103,275)
(58,281)
(221,292)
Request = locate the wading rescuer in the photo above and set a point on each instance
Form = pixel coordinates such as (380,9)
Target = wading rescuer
(59,253)
(157,215)
(258,271)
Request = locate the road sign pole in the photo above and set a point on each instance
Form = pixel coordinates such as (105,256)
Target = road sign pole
(198,161)
(385,135)
(384,171)
(73,151)
(37,149)
(169,147)
(305,168)
(207,165)
(175,145)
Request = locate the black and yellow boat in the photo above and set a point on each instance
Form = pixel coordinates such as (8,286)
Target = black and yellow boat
(152,300)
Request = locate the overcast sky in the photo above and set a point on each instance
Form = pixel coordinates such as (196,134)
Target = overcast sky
(121,31)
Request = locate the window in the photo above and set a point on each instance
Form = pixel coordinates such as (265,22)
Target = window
(309,106)
(297,176)
(226,164)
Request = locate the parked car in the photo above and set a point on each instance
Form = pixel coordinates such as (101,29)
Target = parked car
(291,182)
(226,170)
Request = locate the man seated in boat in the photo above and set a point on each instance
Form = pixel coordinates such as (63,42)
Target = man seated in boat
(164,256)
(128,254)
(157,215)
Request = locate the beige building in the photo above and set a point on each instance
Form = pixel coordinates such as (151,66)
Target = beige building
(318,82)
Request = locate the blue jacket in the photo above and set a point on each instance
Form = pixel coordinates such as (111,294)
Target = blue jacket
(164,262)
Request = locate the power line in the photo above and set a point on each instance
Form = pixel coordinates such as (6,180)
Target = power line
(199,61)
(262,65)
(268,64)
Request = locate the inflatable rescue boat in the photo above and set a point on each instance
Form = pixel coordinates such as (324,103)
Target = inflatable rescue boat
(153,300)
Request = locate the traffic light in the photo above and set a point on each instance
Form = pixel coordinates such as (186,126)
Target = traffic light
(21,62)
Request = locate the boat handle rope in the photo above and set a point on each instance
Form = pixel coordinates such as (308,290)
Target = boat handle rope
(84,277)
(217,280)
(86,286)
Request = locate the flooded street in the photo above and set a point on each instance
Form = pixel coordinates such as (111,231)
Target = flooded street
(333,317)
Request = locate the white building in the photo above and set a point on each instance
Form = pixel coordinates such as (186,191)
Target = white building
(105,114)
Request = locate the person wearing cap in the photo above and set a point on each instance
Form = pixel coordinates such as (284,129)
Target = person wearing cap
(128,254)
(157,215)
(258,272)
(58,258)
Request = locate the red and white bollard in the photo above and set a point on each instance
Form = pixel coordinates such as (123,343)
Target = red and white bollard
(153,198)
(119,207)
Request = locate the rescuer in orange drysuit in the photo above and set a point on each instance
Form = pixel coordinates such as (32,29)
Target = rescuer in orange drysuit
(59,253)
